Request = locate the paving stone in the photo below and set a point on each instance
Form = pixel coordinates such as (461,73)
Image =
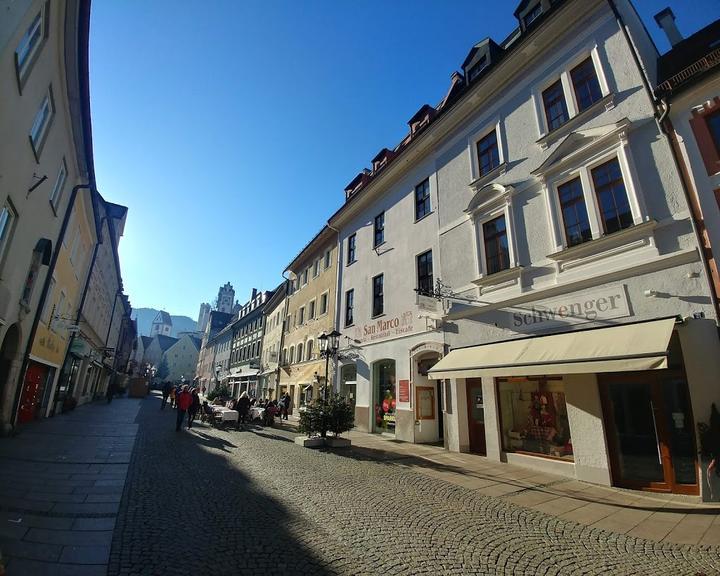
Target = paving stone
(84,508)
(23,567)
(93,523)
(85,555)
(30,550)
(69,537)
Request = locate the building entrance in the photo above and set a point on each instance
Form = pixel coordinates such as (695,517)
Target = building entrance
(650,431)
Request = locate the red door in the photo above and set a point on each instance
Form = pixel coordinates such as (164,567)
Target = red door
(35,378)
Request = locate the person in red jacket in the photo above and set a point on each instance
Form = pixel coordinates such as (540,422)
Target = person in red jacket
(184,401)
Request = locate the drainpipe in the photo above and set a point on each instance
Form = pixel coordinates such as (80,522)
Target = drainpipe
(43,299)
(668,131)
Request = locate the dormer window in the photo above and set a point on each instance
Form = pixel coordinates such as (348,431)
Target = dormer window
(532,15)
(476,68)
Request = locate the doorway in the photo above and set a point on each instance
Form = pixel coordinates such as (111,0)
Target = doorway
(476,416)
(8,350)
(36,377)
(649,427)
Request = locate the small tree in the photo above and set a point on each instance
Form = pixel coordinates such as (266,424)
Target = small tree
(220,391)
(334,415)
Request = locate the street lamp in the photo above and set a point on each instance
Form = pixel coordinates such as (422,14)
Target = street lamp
(329,344)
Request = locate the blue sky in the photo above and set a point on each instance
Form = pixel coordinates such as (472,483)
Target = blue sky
(231,131)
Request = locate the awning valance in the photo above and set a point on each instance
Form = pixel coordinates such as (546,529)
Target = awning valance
(639,346)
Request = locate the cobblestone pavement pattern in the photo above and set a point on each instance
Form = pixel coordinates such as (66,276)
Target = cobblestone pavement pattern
(226,502)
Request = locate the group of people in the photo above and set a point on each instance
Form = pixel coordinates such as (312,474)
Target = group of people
(187,401)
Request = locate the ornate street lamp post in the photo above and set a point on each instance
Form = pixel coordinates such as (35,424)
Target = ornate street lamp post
(329,344)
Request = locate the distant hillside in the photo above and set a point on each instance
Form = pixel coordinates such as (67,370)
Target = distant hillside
(145,317)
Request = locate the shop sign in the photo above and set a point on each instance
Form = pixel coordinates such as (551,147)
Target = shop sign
(404,390)
(571,309)
(385,327)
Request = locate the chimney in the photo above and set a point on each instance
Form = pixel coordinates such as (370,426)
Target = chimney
(666,20)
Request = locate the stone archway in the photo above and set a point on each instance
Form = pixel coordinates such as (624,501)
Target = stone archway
(8,354)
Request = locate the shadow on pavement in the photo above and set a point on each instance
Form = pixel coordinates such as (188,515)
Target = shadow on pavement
(187,509)
(365,453)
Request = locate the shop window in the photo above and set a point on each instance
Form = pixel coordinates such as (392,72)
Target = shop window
(533,417)
(384,379)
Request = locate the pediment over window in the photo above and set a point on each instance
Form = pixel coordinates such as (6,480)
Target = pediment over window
(489,195)
(581,143)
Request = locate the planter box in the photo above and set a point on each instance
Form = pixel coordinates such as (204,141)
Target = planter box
(337,442)
(315,442)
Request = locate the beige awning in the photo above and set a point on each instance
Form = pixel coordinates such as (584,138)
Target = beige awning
(639,346)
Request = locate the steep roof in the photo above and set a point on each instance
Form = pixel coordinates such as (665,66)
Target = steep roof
(165,341)
(690,59)
(164,318)
(196,342)
(146,340)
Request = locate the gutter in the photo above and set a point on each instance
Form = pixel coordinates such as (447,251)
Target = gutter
(663,121)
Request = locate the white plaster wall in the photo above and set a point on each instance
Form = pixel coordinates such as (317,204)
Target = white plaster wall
(587,431)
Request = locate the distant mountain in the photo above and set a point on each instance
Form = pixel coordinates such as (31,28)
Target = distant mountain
(145,317)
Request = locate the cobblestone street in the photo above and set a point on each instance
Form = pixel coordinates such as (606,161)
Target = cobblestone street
(227,502)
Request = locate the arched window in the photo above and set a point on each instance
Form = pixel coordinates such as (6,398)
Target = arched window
(284,356)
(292,355)
(309,349)
(300,352)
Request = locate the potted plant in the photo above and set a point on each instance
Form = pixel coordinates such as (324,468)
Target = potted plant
(334,415)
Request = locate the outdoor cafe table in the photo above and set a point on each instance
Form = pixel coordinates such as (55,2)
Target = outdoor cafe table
(226,413)
(256,413)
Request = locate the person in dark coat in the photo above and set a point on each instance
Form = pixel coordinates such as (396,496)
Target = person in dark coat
(194,407)
(165,394)
(243,407)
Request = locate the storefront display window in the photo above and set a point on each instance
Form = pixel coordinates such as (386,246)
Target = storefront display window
(385,394)
(348,379)
(534,417)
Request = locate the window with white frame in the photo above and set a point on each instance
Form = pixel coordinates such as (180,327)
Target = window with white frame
(311,310)
(309,349)
(323,304)
(316,268)
(570,91)
(491,210)
(41,123)
(327,259)
(301,316)
(594,195)
(31,42)
(7,226)
(486,150)
(300,357)
(58,188)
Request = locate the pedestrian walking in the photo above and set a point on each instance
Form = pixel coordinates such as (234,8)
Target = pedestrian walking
(243,406)
(194,407)
(285,406)
(172,395)
(183,401)
(110,391)
(165,394)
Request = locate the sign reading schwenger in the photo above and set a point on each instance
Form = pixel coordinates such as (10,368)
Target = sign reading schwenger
(571,309)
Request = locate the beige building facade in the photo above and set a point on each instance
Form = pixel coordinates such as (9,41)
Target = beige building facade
(44,121)
(272,342)
(310,312)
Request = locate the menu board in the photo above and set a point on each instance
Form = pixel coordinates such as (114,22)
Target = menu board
(404,391)
(425,403)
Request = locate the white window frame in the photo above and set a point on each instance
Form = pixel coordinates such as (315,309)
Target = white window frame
(328,258)
(22,69)
(309,348)
(9,214)
(301,315)
(316,268)
(312,306)
(619,150)
(41,124)
(327,298)
(49,307)
(59,187)
(502,205)
(475,137)
(562,72)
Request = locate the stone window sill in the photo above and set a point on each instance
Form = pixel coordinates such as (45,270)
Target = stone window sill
(605,103)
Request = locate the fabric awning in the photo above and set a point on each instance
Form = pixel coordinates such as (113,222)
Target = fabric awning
(639,346)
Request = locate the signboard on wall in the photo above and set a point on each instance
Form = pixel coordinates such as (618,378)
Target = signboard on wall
(404,391)
(571,309)
(425,402)
(385,327)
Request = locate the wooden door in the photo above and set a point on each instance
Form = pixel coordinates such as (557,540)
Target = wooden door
(649,429)
(476,416)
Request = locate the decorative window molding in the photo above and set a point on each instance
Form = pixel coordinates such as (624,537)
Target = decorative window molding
(575,116)
(41,124)
(30,46)
(576,158)
(59,187)
(478,176)
(700,125)
(488,203)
